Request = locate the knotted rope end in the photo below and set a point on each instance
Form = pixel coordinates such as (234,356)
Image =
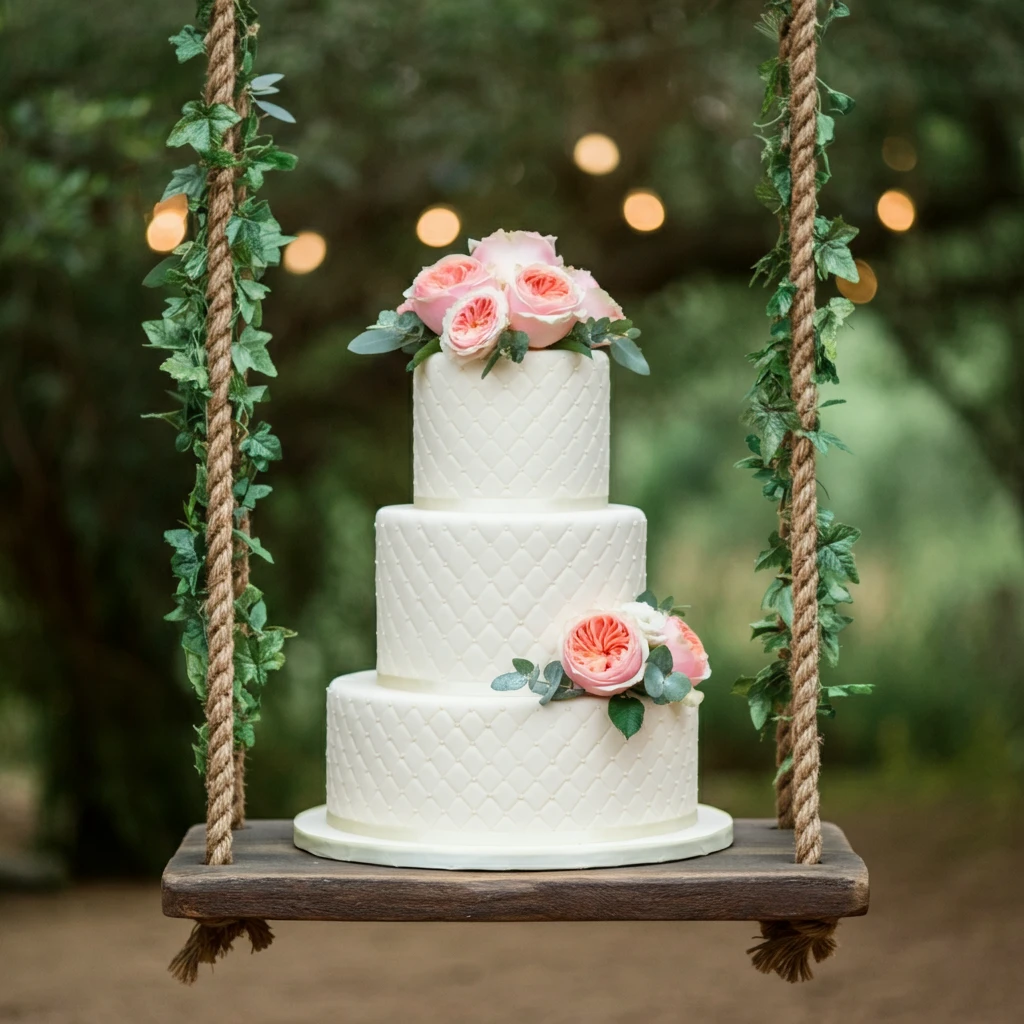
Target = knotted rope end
(212,940)
(788,946)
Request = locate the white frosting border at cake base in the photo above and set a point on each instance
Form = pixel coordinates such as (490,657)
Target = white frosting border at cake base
(711,832)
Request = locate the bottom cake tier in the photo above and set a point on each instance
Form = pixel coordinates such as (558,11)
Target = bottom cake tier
(480,779)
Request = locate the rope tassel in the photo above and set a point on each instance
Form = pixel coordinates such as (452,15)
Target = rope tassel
(789,945)
(211,940)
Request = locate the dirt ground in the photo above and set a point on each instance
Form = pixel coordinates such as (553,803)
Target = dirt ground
(943,942)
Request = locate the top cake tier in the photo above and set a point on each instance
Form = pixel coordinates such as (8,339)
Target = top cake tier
(532,435)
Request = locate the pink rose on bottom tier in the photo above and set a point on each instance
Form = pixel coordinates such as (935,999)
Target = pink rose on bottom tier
(688,654)
(473,325)
(604,654)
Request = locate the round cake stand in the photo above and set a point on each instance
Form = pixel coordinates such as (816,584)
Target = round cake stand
(711,832)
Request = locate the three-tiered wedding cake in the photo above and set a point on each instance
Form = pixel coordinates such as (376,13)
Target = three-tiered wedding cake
(509,540)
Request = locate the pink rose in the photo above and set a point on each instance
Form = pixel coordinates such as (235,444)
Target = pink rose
(543,301)
(473,324)
(436,287)
(688,654)
(597,303)
(604,653)
(504,252)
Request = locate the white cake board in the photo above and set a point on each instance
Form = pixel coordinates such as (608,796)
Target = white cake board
(711,832)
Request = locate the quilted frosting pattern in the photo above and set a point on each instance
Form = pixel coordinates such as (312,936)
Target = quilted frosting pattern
(460,594)
(533,431)
(476,765)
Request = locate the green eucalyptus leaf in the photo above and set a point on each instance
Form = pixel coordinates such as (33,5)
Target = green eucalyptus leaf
(423,353)
(654,680)
(509,681)
(627,353)
(273,110)
(524,667)
(626,713)
(662,657)
(377,340)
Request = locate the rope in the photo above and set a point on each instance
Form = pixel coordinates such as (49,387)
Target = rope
(212,939)
(220,783)
(788,946)
(802,46)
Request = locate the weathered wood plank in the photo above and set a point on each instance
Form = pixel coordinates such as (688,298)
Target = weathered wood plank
(755,879)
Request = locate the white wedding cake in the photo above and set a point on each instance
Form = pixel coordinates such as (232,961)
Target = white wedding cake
(510,538)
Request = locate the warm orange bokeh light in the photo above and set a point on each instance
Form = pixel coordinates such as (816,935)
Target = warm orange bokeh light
(643,211)
(896,210)
(438,226)
(173,204)
(596,154)
(166,231)
(859,291)
(899,153)
(305,253)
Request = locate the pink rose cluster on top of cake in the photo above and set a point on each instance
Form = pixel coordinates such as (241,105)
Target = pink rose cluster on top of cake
(509,294)
(545,299)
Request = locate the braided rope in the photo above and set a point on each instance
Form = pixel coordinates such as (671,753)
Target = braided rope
(803,665)
(220,764)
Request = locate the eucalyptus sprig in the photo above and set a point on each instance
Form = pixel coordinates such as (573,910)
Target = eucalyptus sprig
(406,332)
(771,412)
(256,241)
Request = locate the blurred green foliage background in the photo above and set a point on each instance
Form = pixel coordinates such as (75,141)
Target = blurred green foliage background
(477,104)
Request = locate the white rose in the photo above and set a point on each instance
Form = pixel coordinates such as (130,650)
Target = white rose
(650,620)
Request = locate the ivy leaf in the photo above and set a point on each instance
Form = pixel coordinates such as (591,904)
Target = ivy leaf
(249,352)
(783,769)
(841,103)
(181,367)
(253,544)
(779,597)
(167,271)
(780,302)
(185,562)
(188,43)
(202,127)
(189,180)
(828,320)
(273,110)
(826,130)
(834,551)
(626,713)
(760,709)
(166,334)
(831,249)
(262,447)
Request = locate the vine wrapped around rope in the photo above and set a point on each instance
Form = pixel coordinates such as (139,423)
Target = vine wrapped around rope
(810,553)
(212,329)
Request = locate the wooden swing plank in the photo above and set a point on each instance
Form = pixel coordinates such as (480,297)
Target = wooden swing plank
(755,879)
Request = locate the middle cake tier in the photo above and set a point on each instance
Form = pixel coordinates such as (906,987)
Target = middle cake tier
(460,594)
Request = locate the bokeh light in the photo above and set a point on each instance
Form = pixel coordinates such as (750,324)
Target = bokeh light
(899,153)
(896,210)
(166,231)
(596,154)
(643,210)
(438,226)
(169,224)
(305,253)
(859,291)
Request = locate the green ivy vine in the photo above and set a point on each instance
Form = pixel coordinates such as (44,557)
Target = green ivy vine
(256,242)
(771,412)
